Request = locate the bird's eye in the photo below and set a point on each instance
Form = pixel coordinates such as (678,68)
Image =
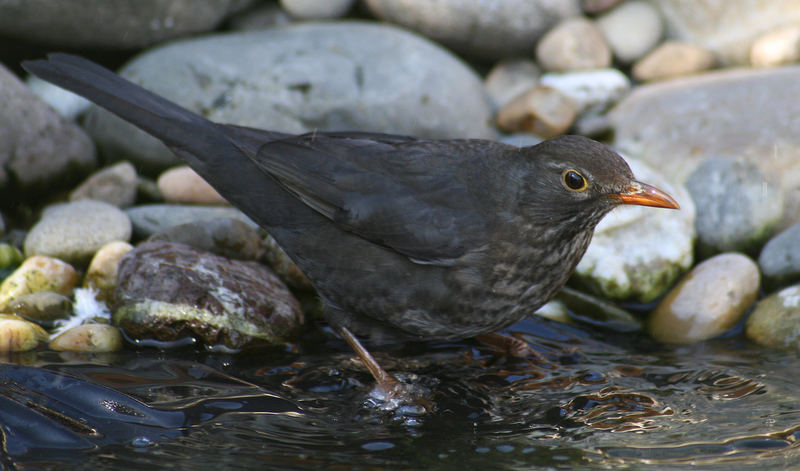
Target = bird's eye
(574,180)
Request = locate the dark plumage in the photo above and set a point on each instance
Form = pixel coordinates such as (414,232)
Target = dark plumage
(403,238)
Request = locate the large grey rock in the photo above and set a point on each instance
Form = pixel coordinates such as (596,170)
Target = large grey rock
(728,28)
(73,232)
(305,77)
(171,291)
(737,206)
(490,29)
(742,114)
(780,258)
(103,24)
(636,252)
(38,148)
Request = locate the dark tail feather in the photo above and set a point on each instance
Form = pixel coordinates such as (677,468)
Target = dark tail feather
(222,154)
(177,127)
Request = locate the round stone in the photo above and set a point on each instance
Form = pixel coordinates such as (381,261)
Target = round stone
(74,231)
(573,44)
(708,301)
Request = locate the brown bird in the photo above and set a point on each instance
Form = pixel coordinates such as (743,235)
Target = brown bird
(403,238)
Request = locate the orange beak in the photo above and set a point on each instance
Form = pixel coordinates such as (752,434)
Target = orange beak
(645,195)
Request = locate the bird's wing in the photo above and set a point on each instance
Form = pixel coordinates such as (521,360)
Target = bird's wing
(394,191)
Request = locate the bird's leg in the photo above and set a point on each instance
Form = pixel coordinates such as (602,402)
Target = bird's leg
(387,385)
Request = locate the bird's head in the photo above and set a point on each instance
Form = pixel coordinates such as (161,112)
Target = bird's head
(576,181)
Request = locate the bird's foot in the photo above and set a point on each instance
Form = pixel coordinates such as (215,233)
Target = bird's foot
(404,398)
(513,347)
(389,394)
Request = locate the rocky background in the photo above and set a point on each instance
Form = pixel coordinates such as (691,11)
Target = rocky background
(103,235)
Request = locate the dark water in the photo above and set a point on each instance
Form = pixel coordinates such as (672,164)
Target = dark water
(596,400)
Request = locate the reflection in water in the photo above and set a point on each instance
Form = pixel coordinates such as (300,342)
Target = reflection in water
(597,404)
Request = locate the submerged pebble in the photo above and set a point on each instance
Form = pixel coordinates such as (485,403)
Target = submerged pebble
(90,338)
(42,307)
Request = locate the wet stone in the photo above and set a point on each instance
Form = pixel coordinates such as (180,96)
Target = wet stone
(775,322)
(43,307)
(780,258)
(169,292)
(88,338)
(708,301)
(226,237)
(102,272)
(38,273)
(19,335)
(597,311)
(74,231)
(738,206)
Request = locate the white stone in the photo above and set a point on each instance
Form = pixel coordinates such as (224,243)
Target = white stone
(592,90)
(637,252)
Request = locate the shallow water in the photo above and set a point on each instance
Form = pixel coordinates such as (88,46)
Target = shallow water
(595,400)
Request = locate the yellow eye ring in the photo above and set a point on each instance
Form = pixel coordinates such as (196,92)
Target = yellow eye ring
(573,180)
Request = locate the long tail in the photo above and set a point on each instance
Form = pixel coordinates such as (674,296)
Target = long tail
(180,129)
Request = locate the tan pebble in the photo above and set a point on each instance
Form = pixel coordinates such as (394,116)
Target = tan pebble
(573,44)
(672,59)
(102,271)
(19,335)
(543,111)
(184,185)
(91,338)
(708,301)
(778,47)
(38,273)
